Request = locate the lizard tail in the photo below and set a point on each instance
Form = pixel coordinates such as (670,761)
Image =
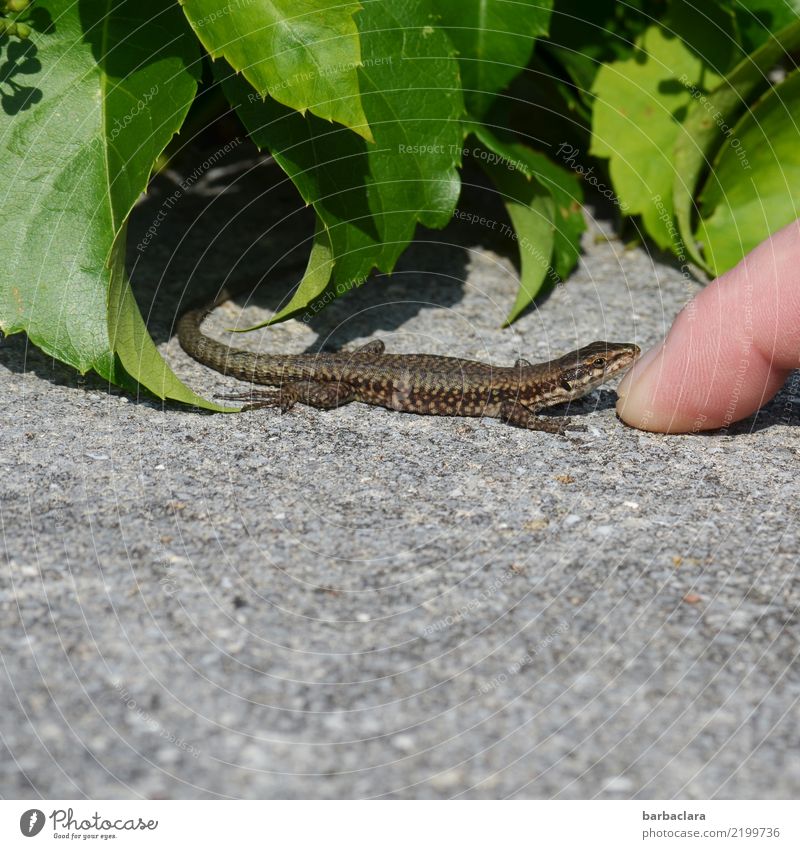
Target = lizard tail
(210,352)
(245,365)
(236,362)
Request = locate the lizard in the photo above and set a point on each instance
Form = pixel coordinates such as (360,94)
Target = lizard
(414,383)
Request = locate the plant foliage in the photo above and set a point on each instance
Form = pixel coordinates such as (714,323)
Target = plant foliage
(684,114)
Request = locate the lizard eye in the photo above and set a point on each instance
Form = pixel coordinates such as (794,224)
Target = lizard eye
(599,362)
(565,384)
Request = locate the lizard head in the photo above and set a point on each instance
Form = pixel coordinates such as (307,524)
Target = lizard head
(580,371)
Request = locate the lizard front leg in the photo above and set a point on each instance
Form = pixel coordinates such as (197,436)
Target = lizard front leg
(515,414)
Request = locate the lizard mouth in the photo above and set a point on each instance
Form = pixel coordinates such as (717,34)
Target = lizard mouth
(626,357)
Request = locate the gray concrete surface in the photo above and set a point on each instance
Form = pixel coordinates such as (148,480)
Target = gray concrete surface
(362,603)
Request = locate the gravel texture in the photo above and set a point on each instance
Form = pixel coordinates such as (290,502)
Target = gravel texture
(361,603)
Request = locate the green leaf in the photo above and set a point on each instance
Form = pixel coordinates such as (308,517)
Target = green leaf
(369,198)
(93,102)
(312,287)
(329,166)
(755,183)
(495,40)
(639,104)
(132,343)
(530,208)
(563,186)
(302,53)
(711,119)
(412,97)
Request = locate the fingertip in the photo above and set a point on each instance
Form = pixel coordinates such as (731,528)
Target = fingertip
(728,351)
(637,403)
(637,369)
(675,389)
(648,400)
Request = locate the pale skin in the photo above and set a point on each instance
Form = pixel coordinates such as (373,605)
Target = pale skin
(728,352)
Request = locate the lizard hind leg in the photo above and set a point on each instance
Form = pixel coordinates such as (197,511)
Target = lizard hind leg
(315,393)
(324,395)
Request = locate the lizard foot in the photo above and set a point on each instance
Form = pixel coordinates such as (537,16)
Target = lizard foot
(519,416)
(255,399)
(559,426)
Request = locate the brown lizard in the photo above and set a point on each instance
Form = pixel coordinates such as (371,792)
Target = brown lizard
(412,383)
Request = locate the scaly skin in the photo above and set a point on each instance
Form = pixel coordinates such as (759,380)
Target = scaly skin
(412,383)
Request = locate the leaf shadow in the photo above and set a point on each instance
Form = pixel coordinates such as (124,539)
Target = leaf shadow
(20,356)
(20,59)
(113,32)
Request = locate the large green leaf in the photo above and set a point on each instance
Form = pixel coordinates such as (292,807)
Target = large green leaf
(495,39)
(640,102)
(303,53)
(413,99)
(103,91)
(711,119)
(369,197)
(754,188)
(69,209)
